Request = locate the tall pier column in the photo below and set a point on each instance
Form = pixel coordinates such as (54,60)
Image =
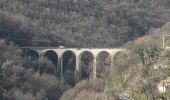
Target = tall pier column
(94,66)
(112,58)
(40,55)
(77,69)
(59,69)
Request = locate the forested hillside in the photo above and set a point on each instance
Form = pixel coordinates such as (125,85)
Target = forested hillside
(133,24)
(80,23)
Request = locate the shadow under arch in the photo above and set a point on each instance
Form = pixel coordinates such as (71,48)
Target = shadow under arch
(86,64)
(53,57)
(121,60)
(103,62)
(31,54)
(69,67)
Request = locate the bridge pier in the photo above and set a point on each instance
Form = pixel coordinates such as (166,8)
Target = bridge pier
(94,66)
(77,69)
(40,53)
(60,65)
(111,58)
(59,71)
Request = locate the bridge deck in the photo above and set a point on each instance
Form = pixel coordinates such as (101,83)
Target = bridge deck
(64,48)
(77,51)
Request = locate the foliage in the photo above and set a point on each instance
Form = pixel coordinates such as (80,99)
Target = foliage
(151,70)
(90,23)
(86,89)
(21,79)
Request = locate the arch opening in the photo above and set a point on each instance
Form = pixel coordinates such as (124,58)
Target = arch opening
(51,58)
(69,66)
(31,58)
(32,54)
(103,63)
(86,65)
(120,61)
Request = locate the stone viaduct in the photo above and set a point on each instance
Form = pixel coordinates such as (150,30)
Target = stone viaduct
(59,52)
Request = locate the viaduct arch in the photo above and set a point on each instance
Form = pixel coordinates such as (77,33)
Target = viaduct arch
(56,55)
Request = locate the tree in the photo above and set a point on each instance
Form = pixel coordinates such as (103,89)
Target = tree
(146,85)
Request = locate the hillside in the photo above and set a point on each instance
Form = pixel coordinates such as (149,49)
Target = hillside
(80,23)
(155,37)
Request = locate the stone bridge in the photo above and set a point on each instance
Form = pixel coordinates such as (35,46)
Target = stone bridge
(58,53)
